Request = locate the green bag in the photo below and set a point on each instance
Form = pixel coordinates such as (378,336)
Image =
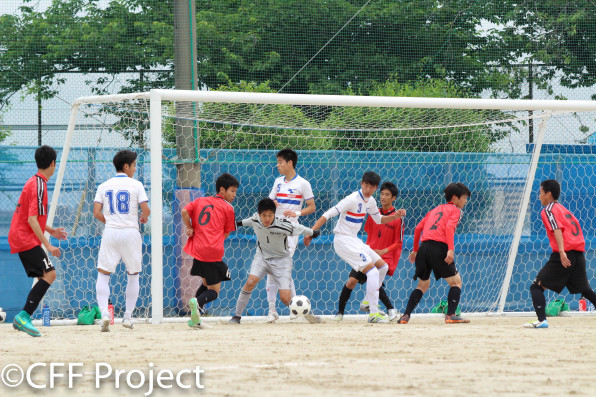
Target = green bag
(88,315)
(555,307)
(442,308)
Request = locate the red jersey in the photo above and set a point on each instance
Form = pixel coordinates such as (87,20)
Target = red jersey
(33,201)
(439,224)
(555,216)
(211,219)
(389,235)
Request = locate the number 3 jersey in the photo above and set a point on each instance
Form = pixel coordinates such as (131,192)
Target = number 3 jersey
(555,216)
(121,197)
(352,210)
(439,224)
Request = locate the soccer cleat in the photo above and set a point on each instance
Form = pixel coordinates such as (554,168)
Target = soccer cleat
(234,320)
(272,316)
(404,319)
(105,324)
(127,323)
(311,318)
(536,324)
(195,315)
(377,318)
(364,306)
(338,317)
(455,319)
(293,316)
(392,314)
(22,322)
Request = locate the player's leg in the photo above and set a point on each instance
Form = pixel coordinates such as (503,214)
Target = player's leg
(384,298)
(353,280)
(244,297)
(272,299)
(578,279)
(422,273)
(453,297)
(107,260)
(131,250)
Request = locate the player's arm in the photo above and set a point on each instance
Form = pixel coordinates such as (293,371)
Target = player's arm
(310,209)
(186,220)
(417,234)
(145,211)
(450,235)
(34,223)
(561,244)
(57,232)
(98,213)
(390,218)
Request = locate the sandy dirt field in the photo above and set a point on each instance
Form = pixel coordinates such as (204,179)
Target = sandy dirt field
(491,356)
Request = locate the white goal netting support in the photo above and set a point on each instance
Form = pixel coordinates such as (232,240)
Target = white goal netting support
(501,149)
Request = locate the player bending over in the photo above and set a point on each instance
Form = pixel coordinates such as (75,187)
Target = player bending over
(209,221)
(117,205)
(567,264)
(437,251)
(385,240)
(26,235)
(352,210)
(273,256)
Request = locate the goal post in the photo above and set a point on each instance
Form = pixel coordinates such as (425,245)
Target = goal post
(420,144)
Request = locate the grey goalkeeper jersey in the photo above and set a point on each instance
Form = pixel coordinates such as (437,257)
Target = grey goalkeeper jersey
(273,240)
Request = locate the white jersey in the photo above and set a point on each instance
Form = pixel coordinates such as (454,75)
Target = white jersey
(121,197)
(352,210)
(290,195)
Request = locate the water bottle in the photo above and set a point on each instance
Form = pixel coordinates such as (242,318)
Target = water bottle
(111,312)
(582,304)
(45,315)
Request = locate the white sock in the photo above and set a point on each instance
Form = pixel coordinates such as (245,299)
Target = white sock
(102,288)
(132,294)
(271,291)
(382,273)
(372,289)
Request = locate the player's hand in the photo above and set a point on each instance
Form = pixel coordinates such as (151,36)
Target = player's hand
(55,251)
(449,257)
(59,233)
(564,259)
(289,214)
(401,213)
(381,252)
(190,232)
(143,219)
(276,203)
(412,256)
(307,240)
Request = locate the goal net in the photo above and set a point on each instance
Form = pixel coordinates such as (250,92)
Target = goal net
(501,149)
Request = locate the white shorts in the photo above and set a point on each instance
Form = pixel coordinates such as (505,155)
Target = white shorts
(354,251)
(292,244)
(120,244)
(279,270)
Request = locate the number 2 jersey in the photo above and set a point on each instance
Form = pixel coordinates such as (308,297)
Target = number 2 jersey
(555,216)
(121,197)
(211,219)
(439,224)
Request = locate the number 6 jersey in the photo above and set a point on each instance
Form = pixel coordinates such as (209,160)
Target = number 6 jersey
(120,197)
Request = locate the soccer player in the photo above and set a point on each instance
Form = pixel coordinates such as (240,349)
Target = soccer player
(26,235)
(290,191)
(209,221)
(385,240)
(273,255)
(117,204)
(352,210)
(567,264)
(437,251)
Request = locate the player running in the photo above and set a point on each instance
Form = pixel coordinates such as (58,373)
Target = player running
(352,210)
(117,204)
(437,252)
(273,256)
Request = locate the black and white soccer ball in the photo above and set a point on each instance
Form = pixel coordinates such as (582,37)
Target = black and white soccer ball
(300,305)
(2,315)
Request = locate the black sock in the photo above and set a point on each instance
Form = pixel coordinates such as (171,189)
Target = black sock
(206,297)
(385,299)
(414,300)
(201,289)
(590,295)
(36,295)
(453,300)
(343,299)
(539,301)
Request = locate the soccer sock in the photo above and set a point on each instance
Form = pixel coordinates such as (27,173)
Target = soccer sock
(453,300)
(372,289)
(385,299)
(243,299)
(539,301)
(36,295)
(206,297)
(200,290)
(382,272)
(590,295)
(414,300)
(132,294)
(343,299)
(271,291)
(103,292)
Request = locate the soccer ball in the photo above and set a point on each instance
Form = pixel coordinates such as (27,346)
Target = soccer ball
(300,305)
(2,315)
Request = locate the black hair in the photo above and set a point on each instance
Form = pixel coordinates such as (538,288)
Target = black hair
(288,155)
(456,189)
(372,178)
(44,155)
(391,187)
(226,181)
(552,186)
(266,205)
(122,158)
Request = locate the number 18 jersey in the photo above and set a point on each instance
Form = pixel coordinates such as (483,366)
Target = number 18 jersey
(121,197)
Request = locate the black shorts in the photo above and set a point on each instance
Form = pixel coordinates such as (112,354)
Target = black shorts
(212,272)
(36,262)
(556,277)
(431,256)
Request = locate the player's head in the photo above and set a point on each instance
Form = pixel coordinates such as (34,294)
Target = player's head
(45,158)
(370,183)
(125,161)
(226,186)
(457,193)
(266,210)
(389,193)
(550,190)
(286,161)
